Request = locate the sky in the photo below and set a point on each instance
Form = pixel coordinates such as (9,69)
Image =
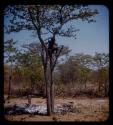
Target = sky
(92,37)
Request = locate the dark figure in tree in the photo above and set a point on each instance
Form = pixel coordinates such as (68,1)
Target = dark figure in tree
(52,47)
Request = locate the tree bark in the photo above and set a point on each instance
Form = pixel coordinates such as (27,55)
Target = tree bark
(105,87)
(52,95)
(10,82)
(48,97)
(44,55)
(9,89)
(51,86)
(99,86)
(44,90)
(45,85)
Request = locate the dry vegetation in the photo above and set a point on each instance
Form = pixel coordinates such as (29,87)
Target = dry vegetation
(96,109)
(34,68)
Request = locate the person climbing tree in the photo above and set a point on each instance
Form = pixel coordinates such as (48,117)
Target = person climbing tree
(52,47)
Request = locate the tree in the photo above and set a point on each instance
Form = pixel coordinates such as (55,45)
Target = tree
(85,64)
(69,70)
(9,54)
(100,60)
(48,22)
(101,63)
(6,73)
(30,66)
(103,78)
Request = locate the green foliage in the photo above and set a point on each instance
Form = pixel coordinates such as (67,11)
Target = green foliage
(101,60)
(103,72)
(73,71)
(9,50)
(80,68)
(75,68)
(47,19)
(30,66)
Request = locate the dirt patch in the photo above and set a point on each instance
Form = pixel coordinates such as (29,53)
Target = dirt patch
(90,110)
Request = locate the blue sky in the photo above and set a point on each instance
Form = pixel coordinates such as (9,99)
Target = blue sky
(92,37)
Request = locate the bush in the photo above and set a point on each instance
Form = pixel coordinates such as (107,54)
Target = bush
(68,91)
(86,92)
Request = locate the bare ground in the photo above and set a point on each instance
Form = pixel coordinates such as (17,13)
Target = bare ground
(94,109)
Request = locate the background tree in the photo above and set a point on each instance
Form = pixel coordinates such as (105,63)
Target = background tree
(6,77)
(84,75)
(101,63)
(6,73)
(68,71)
(103,78)
(85,64)
(48,21)
(9,54)
(76,68)
(30,66)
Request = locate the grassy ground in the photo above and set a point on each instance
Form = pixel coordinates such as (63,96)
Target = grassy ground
(95,109)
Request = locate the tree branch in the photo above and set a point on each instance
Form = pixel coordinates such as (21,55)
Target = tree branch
(38,29)
(56,58)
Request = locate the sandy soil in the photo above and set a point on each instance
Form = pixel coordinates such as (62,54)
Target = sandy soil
(90,110)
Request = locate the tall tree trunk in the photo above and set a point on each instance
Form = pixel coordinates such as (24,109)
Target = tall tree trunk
(99,86)
(51,86)
(47,93)
(105,87)
(44,86)
(10,82)
(52,65)
(52,94)
(30,91)
(44,90)
(85,82)
(9,89)
(44,55)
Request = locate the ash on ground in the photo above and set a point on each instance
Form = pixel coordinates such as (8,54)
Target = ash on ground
(40,109)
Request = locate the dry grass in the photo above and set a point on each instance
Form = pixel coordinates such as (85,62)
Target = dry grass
(90,110)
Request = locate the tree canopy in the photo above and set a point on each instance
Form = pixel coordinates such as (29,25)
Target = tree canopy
(47,20)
